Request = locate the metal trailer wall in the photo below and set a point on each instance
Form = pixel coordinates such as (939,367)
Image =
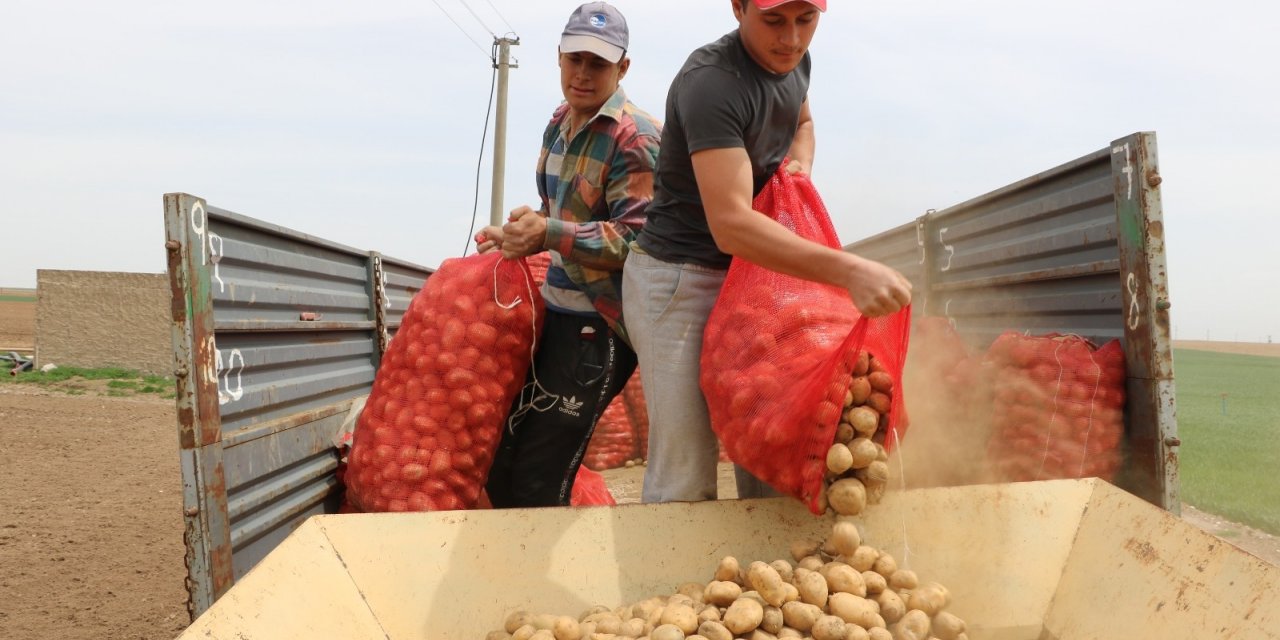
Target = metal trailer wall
(275,334)
(1077,249)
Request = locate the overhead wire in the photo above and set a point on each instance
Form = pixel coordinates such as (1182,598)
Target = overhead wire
(510,29)
(475,206)
(477,17)
(492,55)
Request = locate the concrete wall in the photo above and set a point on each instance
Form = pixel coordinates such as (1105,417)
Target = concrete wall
(103,319)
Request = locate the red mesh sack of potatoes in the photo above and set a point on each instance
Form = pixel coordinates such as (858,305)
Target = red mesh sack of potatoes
(613,442)
(779,352)
(589,490)
(1058,407)
(428,432)
(638,413)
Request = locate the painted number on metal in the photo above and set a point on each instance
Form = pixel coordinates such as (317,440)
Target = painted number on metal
(1131,283)
(1128,167)
(210,242)
(230,388)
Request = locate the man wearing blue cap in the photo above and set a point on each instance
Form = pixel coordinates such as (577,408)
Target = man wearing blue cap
(595,180)
(734,111)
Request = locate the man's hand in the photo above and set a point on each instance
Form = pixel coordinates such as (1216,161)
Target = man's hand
(795,167)
(488,239)
(524,234)
(877,290)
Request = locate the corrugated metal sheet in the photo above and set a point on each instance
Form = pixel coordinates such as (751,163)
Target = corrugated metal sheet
(1076,249)
(278,332)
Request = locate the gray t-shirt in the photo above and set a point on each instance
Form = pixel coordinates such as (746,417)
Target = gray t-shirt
(720,99)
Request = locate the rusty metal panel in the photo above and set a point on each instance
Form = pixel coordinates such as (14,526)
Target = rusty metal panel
(1076,249)
(281,332)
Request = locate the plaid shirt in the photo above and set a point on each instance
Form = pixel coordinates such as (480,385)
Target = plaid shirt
(604,184)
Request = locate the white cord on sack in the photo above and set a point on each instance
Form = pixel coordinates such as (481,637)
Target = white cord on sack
(1048,436)
(1093,404)
(532,388)
(902,475)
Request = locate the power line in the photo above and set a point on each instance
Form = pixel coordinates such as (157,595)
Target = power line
(510,29)
(473,15)
(464,31)
(493,79)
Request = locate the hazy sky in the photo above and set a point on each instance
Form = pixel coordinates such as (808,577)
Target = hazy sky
(361,122)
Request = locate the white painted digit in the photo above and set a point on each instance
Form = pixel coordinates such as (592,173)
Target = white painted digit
(215,255)
(1128,166)
(951,251)
(200,224)
(226,393)
(1134,308)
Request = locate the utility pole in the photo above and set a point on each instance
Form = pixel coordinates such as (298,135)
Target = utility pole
(500,129)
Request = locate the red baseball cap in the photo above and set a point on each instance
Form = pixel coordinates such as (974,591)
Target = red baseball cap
(769,4)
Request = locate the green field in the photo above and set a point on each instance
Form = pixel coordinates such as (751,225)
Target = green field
(15,298)
(1230,456)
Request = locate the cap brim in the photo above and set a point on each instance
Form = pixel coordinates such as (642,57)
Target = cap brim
(769,4)
(591,44)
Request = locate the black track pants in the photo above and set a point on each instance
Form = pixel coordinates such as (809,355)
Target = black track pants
(581,366)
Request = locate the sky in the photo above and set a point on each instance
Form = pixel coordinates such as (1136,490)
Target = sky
(362,122)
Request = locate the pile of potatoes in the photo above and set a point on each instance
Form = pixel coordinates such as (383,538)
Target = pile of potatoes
(839,589)
(857,463)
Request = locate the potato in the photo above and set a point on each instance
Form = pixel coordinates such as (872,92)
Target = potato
(851,608)
(875,582)
(542,634)
(904,579)
(523,633)
(854,632)
(881,381)
(875,493)
(712,630)
(864,420)
(743,616)
(783,568)
(722,593)
(517,619)
(676,598)
(710,613)
(829,628)
(879,634)
(947,626)
(885,565)
(644,608)
(788,632)
(772,621)
(693,590)
(728,570)
(800,549)
(848,496)
(566,628)
(845,579)
(588,629)
(862,452)
(863,365)
(800,616)
(877,472)
(882,454)
(930,599)
(607,622)
(845,538)
(913,626)
(766,581)
(839,459)
(813,589)
(859,391)
(880,402)
(498,634)
(667,632)
(680,615)
(864,558)
(632,628)
(892,608)
(761,634)
(844,432)
(543,621)
(811,563)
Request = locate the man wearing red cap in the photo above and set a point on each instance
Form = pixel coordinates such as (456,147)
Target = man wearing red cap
(735,110)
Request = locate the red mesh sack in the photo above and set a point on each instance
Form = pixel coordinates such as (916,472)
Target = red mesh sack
(780,354)
(614,441)
(429,430)
(638,413)
(589,490)
(1058,407)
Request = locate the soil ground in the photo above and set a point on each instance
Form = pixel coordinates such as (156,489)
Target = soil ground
(90,512)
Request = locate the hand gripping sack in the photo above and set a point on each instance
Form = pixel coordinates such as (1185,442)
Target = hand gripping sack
(780,355)
(431,425)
